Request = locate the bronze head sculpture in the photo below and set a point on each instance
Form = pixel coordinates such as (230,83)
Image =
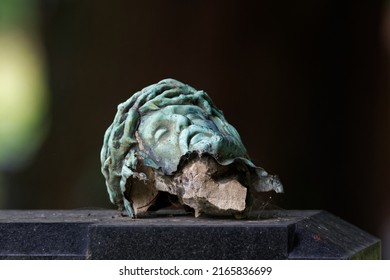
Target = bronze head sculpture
(170,138)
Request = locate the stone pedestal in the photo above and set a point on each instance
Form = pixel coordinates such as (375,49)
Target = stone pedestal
(104,234)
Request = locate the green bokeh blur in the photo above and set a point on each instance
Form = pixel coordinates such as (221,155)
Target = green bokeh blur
(23,89)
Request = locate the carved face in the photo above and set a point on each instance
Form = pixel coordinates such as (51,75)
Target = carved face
(160,134)
(173,131)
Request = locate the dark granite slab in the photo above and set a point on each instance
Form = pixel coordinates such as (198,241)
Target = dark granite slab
(104,234)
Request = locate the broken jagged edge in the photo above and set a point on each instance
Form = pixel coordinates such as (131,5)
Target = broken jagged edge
(161,124)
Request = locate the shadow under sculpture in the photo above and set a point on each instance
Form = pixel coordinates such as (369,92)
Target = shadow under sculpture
(169,145)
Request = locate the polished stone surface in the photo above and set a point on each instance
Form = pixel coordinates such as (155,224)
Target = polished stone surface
(104,234)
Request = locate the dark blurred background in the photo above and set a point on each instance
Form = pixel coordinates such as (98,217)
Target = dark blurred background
(306,84)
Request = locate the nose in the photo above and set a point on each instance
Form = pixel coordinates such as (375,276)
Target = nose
(181,122)
(191,131)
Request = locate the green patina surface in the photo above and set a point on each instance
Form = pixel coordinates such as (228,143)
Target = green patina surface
(161,124)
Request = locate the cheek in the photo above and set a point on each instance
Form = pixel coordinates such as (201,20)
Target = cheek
(167,149)
(161,143)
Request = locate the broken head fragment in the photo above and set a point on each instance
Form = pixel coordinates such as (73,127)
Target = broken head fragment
(169,145)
